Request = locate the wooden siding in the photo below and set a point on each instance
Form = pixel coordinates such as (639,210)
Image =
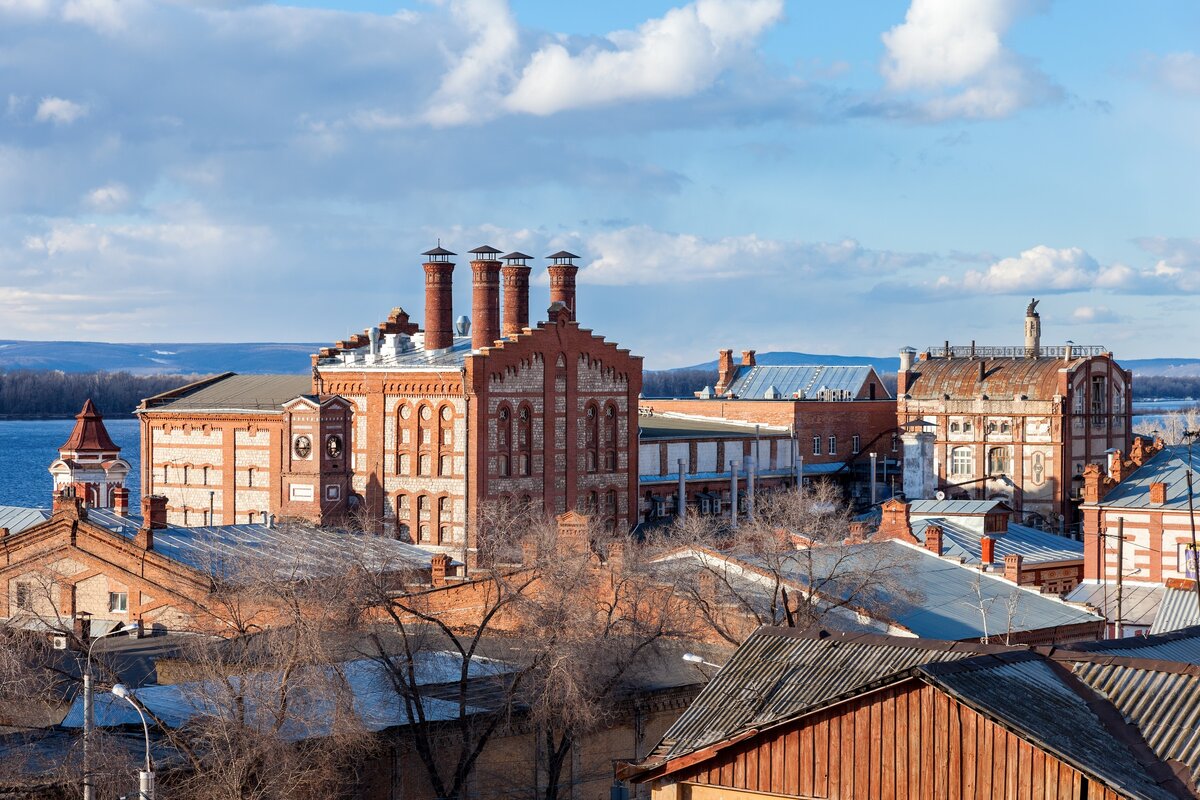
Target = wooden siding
(906,742)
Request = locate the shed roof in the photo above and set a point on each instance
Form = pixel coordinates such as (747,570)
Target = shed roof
(661,426)
(1139,603)
(1178,610)
(18,518)
(253,394)
(1034,546)
(939,508)
(752,383)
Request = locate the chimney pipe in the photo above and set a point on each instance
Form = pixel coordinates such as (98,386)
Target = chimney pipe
(121,501)
(485,297)
(933,539)
(439,299)
(516,293)
(562,271)
(987,550)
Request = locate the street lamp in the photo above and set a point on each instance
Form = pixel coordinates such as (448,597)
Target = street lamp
(692,658)
(145,776)
(89,792)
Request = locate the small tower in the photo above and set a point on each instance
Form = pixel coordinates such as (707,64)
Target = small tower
(1033,330)
(90,461)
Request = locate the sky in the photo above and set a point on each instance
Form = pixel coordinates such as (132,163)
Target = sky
(825,177)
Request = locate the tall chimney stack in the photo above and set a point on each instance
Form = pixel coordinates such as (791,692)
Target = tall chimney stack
(439,299)
(562,271)
(1033,330)
(516,292)
(908,357)
(485,297)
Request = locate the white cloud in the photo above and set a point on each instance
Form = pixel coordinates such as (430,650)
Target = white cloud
(1094,314)
(25,8)
(107,198)
(59,111)
(675,55)
(106,16)
(1178,71)
(1177,264)
(950,54)
(473,88)
(1041,269)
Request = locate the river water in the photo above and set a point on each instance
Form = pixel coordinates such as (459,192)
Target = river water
(27,448)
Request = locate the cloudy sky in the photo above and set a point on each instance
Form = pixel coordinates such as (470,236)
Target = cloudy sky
(815,176)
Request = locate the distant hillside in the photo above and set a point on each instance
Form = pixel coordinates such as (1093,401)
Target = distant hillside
(156,359)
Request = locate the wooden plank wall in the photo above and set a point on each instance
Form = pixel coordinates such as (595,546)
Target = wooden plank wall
(907,742)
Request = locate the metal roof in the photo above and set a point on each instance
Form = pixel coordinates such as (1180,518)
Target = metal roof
(1025,692)
(1161,701)
(1181,646)
(660,426)
(415,358)
(780,673)
(254,394)
(1035,378)
(293,550)
(1034,546)
(1169,466)
(1139,603)
(1178,610)
(17,518)
(940,508)
(752,383)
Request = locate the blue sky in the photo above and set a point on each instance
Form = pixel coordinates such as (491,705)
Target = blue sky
(817,176)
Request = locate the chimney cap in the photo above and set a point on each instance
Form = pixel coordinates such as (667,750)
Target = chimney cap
(562,257)
(438,253)
(516,255)
(483,250)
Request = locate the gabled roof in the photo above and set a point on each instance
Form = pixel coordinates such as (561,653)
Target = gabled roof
(940,508)
(1139,602)
(1169,466)
(232,393)
(1034,546)
(17,518)
(89,434)
(752,383)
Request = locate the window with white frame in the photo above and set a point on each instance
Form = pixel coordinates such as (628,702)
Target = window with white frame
(961,461)
(833,445)
(856,442)
(816,446)
(118,602)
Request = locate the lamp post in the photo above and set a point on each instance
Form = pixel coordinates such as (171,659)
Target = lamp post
(89,792)
(692,658)
(1191,437)
(145,776)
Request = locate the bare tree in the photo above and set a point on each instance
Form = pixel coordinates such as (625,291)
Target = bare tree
(792,564)
(1170,425)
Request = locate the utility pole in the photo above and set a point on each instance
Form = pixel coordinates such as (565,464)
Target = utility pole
(873,457)
(733,489)
(1119,627)
(1191,436)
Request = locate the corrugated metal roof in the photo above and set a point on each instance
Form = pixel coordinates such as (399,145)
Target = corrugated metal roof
(295,550)
(939,508)
(1178,610)
(1034,546)
(779,673)
(1139,603)
(1179,646)
(17,518)
(254,394)
(800,381)
(661,426)
(1169,466)
(1026,693)
(1163,704)
(1036,378)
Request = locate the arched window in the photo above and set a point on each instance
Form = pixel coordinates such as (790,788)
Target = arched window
(967,426)
(445,465)
(525,439)
(504,440)
(443,534)
(610,501)
(998,461)
(961,461)
(424,464)
(593,502)
(250,477)
(591,436)
(955,427)
(610,424)
(833,445)
(1005,427)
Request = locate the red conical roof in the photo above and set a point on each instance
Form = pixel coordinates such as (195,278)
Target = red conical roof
(89,433)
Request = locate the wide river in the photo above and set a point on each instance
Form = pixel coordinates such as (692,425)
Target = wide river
(27,448)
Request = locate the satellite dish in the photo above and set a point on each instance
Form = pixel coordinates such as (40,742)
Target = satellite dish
(940,495)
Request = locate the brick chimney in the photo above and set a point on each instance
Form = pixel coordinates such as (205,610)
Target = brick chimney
(485,297)
(68,503)
(724,371)
(987,546)
(1158,494)
(747,358)
(1116,467)
(895,522)
(904,376)
(933,539)
(515,273)
(439,568)
(1012,567)
(439,299)
(562,271)
(3,533)
(154,517)
(121,501)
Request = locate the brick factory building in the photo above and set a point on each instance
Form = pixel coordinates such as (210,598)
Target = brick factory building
(410,430)
(1017,424)
(822,421)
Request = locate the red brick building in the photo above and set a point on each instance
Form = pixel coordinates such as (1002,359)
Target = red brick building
(1017,424)
(458,415)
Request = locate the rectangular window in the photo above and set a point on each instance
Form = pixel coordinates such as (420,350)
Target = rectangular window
(118,602)
(961,462)
(833,445)
(1099,401)
(895,443)
(24,597)
(816,445)
(856,441)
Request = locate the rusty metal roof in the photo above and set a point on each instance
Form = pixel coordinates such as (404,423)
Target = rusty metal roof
(1036,378)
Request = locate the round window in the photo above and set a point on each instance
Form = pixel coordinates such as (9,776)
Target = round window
(405,412)
(302,447)
(426,412)
(447,413)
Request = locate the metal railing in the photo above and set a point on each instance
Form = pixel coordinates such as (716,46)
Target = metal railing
(1016,351)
